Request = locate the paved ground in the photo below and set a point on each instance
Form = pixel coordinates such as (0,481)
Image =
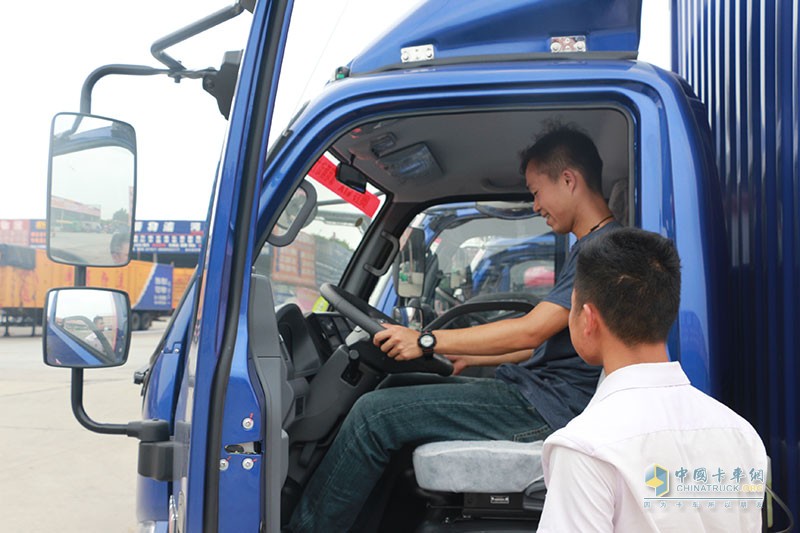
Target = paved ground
(55,475)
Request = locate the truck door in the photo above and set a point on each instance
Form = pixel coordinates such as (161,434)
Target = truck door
(213,390)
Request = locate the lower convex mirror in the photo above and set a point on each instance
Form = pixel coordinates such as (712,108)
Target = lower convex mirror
(86,328)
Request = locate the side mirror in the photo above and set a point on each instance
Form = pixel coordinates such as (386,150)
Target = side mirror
(89,328)
(297,213)
(86,328)
(409,271)
(91,190)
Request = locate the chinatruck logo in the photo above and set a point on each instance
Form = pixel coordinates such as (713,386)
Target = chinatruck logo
(657,477)
(704,487)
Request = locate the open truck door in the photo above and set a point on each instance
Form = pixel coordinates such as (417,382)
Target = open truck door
(181,455)
(207,466)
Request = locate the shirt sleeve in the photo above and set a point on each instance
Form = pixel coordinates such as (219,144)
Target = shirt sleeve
(580,494)
(561,293)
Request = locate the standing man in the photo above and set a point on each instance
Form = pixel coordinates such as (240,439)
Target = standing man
(120,248)
(525,402)
(650,452)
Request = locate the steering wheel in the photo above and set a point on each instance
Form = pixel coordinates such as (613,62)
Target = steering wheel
(364,315)
(370,319)
(513,303)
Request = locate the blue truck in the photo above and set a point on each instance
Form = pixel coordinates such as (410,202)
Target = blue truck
(256,370)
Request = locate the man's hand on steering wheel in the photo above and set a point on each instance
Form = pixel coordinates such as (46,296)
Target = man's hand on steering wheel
(398,342)
(403,344)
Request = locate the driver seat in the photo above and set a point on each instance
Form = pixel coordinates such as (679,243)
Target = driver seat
(498,479)
(495,479)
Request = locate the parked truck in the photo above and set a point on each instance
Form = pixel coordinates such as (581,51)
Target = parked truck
(249,385)
(26,274)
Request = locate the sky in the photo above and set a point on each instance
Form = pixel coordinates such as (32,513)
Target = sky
(180,132)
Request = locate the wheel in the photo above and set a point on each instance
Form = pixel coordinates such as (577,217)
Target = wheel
(136,321)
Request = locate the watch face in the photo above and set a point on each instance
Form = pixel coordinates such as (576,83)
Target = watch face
(427,340)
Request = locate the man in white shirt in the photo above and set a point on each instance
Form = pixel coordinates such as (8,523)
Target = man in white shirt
(650,452)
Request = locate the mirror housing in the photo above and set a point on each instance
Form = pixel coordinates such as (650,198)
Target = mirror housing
(350,176)
(409,266)
(295,215)
(86,328)
(91,191)
(221,83)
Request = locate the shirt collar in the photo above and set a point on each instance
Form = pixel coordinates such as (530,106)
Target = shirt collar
(640,376)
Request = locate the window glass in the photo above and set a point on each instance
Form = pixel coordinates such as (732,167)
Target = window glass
(323,248)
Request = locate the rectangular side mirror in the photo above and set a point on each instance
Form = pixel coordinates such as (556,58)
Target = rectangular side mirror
(91,191)
(409,268)
(86,328)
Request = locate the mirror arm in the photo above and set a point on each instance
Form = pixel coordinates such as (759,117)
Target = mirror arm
(80,276)
(187,32)
(144,430)
(106,70)
(80,412)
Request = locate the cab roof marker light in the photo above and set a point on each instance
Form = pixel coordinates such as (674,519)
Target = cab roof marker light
(568,43)
(411,54)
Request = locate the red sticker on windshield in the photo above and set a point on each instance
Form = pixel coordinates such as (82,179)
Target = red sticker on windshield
(324,171)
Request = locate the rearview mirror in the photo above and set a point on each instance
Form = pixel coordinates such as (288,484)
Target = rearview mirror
(409,265)
(352,177)
(91,190)
(86,328)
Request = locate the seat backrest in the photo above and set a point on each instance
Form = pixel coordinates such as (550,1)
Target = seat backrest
(618,201)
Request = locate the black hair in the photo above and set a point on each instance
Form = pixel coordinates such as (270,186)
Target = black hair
(561,147)
(633,277)
(118,241)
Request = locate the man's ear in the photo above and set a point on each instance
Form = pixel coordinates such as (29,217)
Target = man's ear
(591,320)
(570,178)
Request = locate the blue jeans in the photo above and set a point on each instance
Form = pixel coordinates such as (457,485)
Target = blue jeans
(385,420)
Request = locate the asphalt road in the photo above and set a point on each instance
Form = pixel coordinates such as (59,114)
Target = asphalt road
(56,475)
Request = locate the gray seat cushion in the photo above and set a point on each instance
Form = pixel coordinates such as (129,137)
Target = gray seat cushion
(478,466)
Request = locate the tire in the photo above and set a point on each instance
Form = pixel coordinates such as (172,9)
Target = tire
(147,321)
(136,321)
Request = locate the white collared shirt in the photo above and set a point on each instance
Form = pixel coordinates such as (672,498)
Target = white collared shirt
(647,427)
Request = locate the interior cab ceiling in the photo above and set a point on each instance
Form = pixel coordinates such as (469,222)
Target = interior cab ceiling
(423,158)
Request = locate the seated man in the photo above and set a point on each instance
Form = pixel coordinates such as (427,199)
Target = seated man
(92,339)
(526,402)
(650,452)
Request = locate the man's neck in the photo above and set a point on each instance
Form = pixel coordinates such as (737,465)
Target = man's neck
(594,216)
(621,355)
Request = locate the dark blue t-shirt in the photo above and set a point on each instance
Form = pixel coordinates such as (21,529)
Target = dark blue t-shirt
(555,379)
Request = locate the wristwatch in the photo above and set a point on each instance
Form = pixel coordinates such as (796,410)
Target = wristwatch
(426,341)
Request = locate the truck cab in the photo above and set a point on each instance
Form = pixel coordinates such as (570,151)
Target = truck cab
(414,143)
